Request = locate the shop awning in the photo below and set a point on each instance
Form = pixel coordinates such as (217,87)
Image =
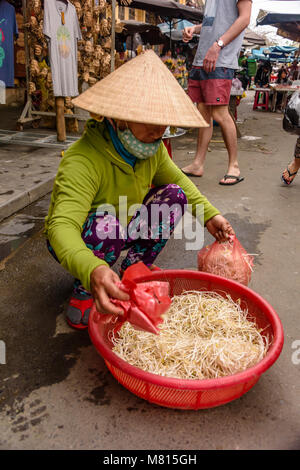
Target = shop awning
(132,26)
(149,33)
(253,38)
(168,9)
(268,18)
(287,24)
(290,31)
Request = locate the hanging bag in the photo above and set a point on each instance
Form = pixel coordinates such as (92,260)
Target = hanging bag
(291,119)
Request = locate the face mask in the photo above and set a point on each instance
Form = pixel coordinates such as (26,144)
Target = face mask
(140,150)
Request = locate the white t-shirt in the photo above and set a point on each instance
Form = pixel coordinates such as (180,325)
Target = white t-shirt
(62,45)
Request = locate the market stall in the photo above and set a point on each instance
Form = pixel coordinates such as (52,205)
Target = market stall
(70,45)
(167,11)
(149,33)
(135,36)
(92,34)
(288,26)
(285,90)
(89,29)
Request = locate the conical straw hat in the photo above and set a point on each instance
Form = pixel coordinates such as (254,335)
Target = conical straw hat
(142,90)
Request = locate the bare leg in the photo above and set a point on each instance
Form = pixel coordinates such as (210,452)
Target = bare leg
(204,137)
(222,116)
(291,170)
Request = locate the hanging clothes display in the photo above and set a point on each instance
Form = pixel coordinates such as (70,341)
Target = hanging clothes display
(61,27)
(8,29)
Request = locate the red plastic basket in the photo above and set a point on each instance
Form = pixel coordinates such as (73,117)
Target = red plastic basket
(192,394)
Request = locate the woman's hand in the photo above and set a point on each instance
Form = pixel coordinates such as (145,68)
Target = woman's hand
(220,228)
(104,287)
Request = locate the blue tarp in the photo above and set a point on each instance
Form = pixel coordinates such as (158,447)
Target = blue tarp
(284,49)
(176,33)
(165,27)
(274,53)
(257,56)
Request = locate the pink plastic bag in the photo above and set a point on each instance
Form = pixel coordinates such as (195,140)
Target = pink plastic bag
(228,259)
(148,300)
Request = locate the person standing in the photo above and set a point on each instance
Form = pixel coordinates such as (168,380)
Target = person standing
(221,37)
(282,79)
(243,72)
(294,71)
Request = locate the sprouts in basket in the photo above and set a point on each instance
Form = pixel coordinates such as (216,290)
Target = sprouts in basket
(203,336)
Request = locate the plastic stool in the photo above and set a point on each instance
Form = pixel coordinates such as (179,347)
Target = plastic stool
(265,103)
(168,146)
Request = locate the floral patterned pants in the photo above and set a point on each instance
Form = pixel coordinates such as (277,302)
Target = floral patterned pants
(144,237)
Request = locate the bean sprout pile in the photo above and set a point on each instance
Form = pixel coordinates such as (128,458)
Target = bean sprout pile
(203,336)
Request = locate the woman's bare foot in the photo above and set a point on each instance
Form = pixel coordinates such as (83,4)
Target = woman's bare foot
(290,172)
(193,169)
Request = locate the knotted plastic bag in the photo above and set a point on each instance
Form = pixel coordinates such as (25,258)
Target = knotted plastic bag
(227,259)
(148,300)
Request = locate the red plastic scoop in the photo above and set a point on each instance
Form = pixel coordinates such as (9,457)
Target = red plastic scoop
(148,300)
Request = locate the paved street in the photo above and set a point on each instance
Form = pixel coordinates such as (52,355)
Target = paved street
(55,390)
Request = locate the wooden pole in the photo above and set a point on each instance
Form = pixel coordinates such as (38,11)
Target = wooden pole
(113,35)
(26,46)
(27,108)
(60,118)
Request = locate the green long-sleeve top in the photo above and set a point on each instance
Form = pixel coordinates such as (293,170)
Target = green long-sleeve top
(92,173)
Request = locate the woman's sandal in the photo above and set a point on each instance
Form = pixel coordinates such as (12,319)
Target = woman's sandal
(78,311)
(290,176)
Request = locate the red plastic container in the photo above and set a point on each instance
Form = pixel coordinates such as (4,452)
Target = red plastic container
(192,394)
